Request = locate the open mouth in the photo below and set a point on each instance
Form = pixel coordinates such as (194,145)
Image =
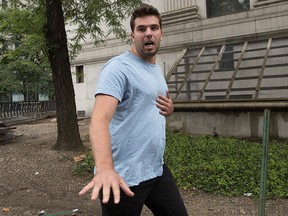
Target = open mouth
(149,44)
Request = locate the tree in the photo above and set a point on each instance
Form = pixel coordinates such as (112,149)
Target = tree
(68,131)
(23,56)
(87,16)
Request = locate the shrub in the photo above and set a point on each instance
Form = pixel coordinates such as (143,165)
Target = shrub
(218,165)
(226,166)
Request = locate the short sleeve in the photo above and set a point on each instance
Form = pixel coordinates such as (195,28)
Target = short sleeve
(112,80)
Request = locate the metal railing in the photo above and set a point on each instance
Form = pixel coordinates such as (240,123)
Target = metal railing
(255,70)
(18,109)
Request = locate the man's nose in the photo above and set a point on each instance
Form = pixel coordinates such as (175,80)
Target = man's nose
(148,32)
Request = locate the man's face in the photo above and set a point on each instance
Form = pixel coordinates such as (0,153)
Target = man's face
(146,37)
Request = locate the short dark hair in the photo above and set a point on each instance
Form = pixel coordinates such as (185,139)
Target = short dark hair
(142,11)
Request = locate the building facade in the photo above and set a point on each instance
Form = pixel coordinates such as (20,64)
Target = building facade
(224,61)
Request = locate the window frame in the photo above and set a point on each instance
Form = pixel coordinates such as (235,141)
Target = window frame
(80,74)
(227,7)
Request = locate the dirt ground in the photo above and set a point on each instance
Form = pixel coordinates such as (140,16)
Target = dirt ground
(34,178)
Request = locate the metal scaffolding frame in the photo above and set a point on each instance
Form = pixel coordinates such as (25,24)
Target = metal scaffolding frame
(259,72)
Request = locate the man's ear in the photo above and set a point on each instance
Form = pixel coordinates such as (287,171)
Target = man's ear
(132,36)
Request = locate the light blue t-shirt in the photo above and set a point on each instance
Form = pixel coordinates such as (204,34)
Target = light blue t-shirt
(137,128)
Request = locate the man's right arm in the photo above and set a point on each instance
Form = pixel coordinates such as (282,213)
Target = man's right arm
(106,178)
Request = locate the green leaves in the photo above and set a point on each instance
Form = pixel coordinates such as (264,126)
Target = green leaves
(23,51)
(226,166)
(86,166)
(96,20)
(223,166)
(8,83)
(22,27)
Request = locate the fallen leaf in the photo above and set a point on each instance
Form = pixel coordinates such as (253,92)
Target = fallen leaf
(79,158)
(5,210)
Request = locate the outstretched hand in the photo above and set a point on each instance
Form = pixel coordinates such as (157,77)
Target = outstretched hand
(165,104)
(107,180)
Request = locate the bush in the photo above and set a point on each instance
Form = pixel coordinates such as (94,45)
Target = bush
(218,165)
(226,166)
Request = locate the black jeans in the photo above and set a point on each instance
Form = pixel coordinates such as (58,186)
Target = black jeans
(160,195)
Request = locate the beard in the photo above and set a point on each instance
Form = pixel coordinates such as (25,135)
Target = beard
(148,53)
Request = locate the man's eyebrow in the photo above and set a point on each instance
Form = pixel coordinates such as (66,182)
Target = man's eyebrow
(140,26)
(145,26)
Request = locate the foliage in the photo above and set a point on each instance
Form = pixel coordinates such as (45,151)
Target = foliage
(96,20)
(223,166)
(277,185)
(23,42)
(86,166)
(87,18)
(23,51)
(8,83)
(226,166)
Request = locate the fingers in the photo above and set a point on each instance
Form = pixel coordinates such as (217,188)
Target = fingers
(163,109)
(106,193)
(107,186)
(168,95)
(116,191)
(126,189)
(165,104)
(95,190)
(86,188)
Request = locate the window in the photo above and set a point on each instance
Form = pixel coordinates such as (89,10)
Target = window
(80,74)
(223,7)
(227,60)
(222,97)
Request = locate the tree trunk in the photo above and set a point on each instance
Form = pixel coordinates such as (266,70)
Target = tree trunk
(68,132)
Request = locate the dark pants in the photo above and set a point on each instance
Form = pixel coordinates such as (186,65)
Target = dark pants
(160,195)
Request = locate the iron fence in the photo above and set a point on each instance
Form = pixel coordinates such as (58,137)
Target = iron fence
(31,108)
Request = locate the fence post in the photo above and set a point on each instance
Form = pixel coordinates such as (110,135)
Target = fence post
(264,163)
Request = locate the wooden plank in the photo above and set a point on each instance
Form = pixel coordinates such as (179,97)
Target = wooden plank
(263,67)
(212,71)
(174,66)
(188,74)
(228,91)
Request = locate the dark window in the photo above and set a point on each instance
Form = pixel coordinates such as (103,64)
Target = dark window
(223,7)
(227,60)
(245,96)
(216,97)
(221,97)
(80,74)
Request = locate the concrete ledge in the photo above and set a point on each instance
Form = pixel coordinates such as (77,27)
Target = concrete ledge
(231,105)
(26,119)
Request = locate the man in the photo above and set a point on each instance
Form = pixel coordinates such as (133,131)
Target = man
(127,129)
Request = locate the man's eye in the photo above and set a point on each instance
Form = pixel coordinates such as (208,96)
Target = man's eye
(142,29)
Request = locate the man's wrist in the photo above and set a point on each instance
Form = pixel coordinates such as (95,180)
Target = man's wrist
(104,166)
